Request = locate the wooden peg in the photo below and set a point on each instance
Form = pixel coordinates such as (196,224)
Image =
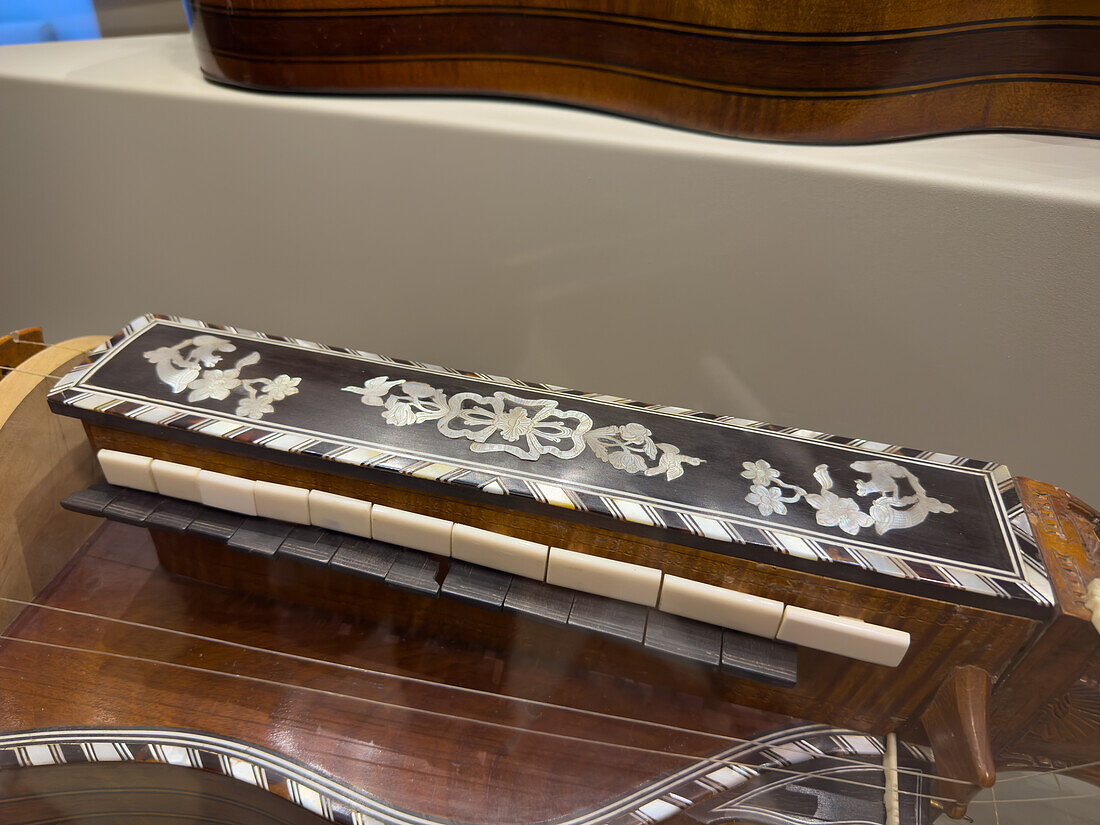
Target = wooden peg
(956,721)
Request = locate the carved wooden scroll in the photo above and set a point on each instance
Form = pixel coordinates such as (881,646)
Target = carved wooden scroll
(1047,711)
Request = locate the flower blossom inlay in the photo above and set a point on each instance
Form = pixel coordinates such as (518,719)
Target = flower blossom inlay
(527,428)
(890,510)
(189,365)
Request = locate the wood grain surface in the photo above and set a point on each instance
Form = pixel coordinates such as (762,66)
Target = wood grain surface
(831,689)
(294,661)
(833,72)
(36,537)
(344,709)
(956,721)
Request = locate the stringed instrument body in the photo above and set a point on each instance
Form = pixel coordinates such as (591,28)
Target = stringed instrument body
(823,72)
(302,680)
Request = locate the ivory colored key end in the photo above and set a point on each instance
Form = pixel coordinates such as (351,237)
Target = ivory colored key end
(1092,602)
(505,553)
(227,492)
(604,577)
(340,513)
(282,502)
(844,636)
(177,480)
(721,606)
(127,470)
(405,529)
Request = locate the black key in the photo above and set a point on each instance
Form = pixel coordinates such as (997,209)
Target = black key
(215,524)
(327,545)
(93,500)
(684,638)
(414,572)
(174,514)
(372,559)
(132,506)
(302,543)
(764,660)
(476,584)
(538,600)
(608,616)
(259,535)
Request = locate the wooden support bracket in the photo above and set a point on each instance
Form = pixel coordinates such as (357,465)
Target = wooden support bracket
(956,721)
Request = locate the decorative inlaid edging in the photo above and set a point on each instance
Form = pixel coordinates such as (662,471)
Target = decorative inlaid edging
(705,780)
(1027,582)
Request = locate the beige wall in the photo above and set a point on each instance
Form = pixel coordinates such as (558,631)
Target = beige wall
(939,293)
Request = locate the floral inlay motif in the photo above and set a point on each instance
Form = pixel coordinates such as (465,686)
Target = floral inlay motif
(189,365)
(892,509)
(527,428)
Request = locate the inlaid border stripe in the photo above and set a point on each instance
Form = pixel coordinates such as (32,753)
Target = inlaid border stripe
(313,791)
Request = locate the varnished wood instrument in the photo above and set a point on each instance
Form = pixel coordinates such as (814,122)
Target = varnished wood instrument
(916,594)
(130,695)
(828,72)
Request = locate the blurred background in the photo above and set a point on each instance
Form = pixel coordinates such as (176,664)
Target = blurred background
(37,21)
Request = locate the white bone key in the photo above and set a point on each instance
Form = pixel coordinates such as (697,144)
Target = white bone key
(227,492)
(512,555)
(1092,602)
(127,470)
(177,480)
(333,512)
(844,636)
(282,502)
(604,577)
(721,606)
(405,529)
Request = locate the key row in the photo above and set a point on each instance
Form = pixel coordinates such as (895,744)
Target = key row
(621,580)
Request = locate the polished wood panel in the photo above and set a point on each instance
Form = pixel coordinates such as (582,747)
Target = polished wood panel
(474,757)
(847,72)
(36,538)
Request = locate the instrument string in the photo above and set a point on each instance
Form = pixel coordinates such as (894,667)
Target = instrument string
(31,372)
(694,758)
(14,335)
(672,754)
(723,738)
(763,741)
(1049,772)
(997,803)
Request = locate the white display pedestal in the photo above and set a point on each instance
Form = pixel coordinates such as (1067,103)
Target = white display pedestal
(942,293)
